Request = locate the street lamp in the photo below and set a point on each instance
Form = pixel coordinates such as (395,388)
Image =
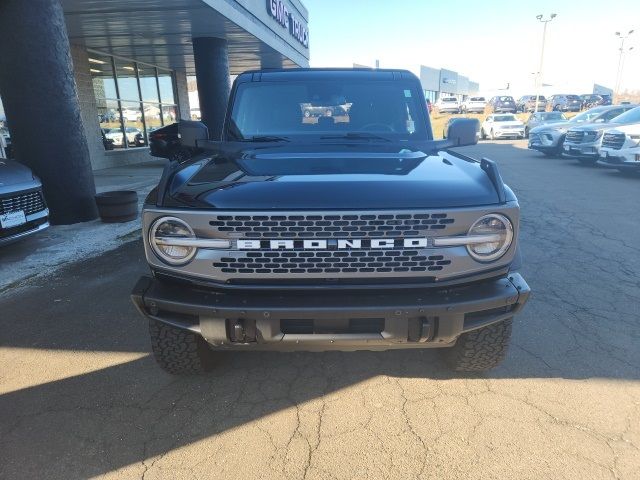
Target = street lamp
(623,37)
(544,37)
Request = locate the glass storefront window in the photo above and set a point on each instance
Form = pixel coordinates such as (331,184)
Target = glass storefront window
(133,125)
(127,82)
(165,80)
(101,69)
(152,116)
(111,126)
(148,84)
(132,100)
(169,114)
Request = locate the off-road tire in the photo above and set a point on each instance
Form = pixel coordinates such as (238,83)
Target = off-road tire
(481,349)
(178,351)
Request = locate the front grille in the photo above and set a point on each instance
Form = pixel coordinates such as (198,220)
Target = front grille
(613,140)
(574,136)
(330,226)
(30,203)
(303,262)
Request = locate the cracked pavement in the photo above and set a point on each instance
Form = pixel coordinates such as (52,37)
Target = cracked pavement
(80,397)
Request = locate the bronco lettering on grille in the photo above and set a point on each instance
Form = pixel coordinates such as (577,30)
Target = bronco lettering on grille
(332,244)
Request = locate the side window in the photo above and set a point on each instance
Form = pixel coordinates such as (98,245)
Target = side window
(612,114)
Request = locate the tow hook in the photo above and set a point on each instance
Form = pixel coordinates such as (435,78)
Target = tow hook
(241,330)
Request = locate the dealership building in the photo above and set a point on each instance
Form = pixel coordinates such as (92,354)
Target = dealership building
(83,83)
(439,81)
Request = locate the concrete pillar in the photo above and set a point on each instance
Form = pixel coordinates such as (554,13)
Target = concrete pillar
(182,91)
(212,75)
(41,103)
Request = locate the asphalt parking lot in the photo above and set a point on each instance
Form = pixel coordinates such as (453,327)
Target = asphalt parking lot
(80,396)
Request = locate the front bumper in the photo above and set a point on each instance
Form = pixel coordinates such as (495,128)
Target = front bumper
(623,159)
(346,320)
(581,150)
(548,141)
(509,133)
(36,221)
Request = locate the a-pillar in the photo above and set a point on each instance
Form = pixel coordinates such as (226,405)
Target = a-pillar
(212,75)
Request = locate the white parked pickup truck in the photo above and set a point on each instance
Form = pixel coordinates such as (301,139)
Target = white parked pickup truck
(474,105)
(448,105)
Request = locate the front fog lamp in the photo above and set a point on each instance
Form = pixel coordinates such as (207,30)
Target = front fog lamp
(167,239)
(490,237)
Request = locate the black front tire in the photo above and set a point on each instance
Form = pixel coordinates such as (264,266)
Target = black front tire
(178,351)
(481,349)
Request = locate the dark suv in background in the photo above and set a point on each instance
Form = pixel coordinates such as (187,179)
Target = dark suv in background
(527,103)
(502,104)
(591,100)
(564,103)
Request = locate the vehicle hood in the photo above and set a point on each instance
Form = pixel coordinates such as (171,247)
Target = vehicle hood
(555,126)
(13,173)
(630,128)
(515,123)
(590,127)
(354,176)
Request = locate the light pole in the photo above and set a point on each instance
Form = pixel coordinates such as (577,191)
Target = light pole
(623,37)
(544,38)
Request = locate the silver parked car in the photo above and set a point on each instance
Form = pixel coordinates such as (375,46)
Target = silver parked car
(583,141)
(549,138)
(543,118)
(23,210)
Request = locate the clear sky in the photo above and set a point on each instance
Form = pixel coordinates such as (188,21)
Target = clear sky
(491,42)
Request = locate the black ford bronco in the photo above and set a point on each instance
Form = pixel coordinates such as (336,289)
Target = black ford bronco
(350,231)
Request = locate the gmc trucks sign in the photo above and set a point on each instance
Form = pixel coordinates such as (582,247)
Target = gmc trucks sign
(298,30)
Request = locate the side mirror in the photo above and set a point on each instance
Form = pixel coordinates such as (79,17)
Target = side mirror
(191,132)
(463,131)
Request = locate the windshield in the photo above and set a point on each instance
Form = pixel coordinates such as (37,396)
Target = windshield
(476,99)
(303,109)
(449,99)
(505,99)
(630,116)
(573,97)
(553,116)
(505,118)
(589,115)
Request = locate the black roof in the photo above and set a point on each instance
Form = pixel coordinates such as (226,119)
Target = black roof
(325,73)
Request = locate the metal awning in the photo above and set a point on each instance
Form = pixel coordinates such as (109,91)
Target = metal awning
(160,32)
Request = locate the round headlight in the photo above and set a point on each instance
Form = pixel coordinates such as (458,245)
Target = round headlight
(497,232)
(164,237)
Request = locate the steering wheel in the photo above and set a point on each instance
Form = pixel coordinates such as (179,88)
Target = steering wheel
(369,126)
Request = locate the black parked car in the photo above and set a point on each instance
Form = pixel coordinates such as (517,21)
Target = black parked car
(165,143)
(564,103)
(502,104)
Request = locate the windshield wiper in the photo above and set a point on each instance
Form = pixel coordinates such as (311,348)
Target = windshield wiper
(265,138)
(355,136)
